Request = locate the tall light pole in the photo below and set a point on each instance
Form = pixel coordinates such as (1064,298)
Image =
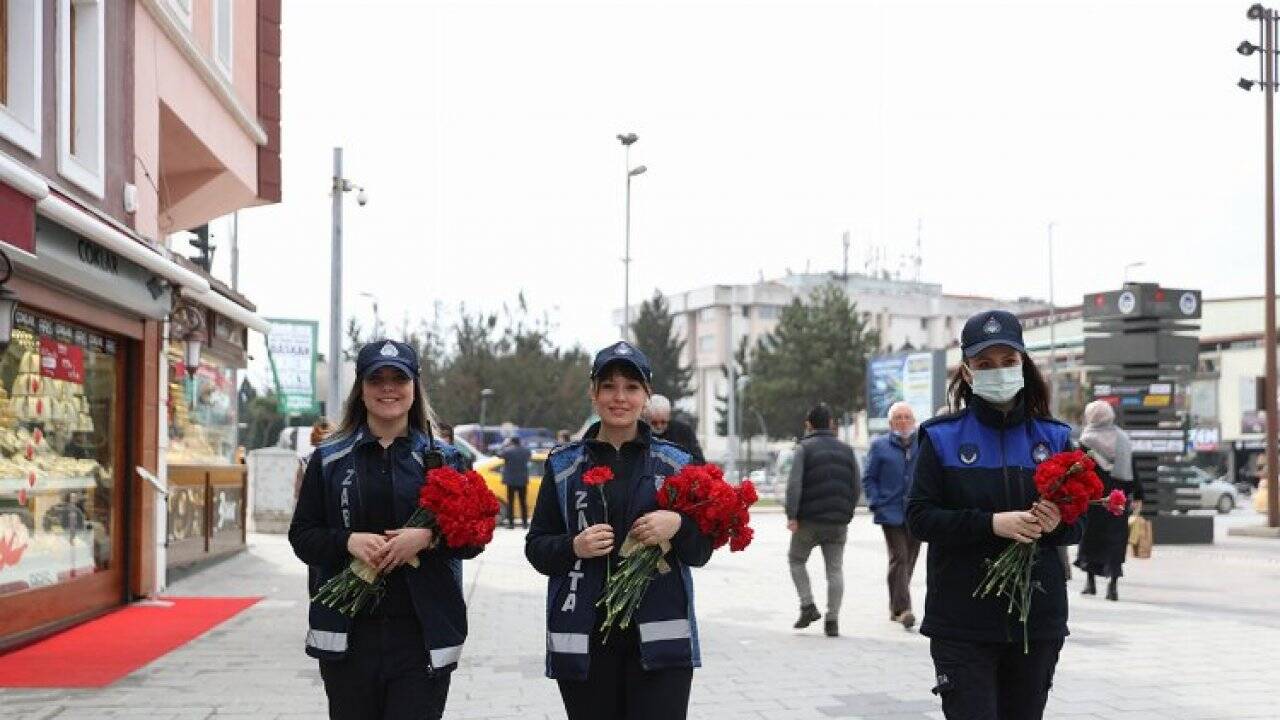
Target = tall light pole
(627,140)
(1053,335)
(485,394)
(1130,266)
(333,405)
(1267,65)
(376,332)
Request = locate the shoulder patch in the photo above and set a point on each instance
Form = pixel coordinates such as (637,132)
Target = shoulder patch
(670,454)
(1040,452)
(968,454)
(564,455)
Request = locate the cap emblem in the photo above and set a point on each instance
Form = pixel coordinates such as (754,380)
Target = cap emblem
(992,327)
(389,350)
(622,349)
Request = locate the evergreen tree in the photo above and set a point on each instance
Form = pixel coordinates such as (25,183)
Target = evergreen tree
(654,333)
(817,353)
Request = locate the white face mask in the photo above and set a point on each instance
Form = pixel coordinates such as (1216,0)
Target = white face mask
(997,385)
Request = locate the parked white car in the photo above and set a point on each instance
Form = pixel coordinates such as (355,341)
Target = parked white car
(1213,493)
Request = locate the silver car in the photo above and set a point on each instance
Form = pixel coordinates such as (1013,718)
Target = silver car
(1212,493)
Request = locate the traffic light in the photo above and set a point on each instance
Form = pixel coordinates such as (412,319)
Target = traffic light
(201,243)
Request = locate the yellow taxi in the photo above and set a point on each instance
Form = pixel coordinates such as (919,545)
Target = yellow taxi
(490,469)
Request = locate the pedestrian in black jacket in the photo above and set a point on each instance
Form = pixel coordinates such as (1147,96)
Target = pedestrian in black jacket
(973,494)
(643,672)
(658,414)
(822,493)
(515,476)
(392,661)
(1106,536)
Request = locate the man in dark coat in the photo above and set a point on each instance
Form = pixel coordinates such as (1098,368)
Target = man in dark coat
(515,475)
(822,493)
(887,482)
(658,413)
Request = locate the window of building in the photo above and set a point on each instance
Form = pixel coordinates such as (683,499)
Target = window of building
(58,436)
(202,410)
(20,66)
(924,323)
(81,94)
(706,343)
(768,312)
(222,36)
(707,314)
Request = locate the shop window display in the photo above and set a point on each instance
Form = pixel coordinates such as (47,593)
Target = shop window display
(202,411)
(58,385)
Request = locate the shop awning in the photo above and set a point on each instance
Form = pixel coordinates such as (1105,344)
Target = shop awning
(228,308)
(70,216)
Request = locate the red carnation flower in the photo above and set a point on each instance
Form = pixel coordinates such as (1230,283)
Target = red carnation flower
(1116,502)
(597,476)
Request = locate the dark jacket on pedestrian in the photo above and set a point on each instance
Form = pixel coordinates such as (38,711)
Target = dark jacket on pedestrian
(515,465)
(352,484)
(971,465)
(823,487)
(887,478)
(683,437)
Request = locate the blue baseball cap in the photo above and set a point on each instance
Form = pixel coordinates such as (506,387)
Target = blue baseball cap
(994,327)
(623,352)
(386,353)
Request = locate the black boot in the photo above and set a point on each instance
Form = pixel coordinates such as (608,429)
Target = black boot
(831,628)
(1090,588)
(808,614)
(1111,590)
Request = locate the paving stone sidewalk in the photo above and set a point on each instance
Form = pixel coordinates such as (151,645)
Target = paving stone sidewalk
(1196,636)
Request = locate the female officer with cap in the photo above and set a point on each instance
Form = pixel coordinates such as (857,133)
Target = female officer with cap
(974,493)
(645,671)
(394,659)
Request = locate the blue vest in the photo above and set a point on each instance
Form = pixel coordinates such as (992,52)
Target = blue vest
(665,620)
(435,586)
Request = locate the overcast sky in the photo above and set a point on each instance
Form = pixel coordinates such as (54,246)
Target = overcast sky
(484,132)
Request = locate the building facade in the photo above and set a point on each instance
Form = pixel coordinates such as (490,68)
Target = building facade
(89,190)
(715,320)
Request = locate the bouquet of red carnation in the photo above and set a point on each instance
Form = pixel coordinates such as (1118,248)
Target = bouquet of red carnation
(1067,480)
(458,507)
(700,492)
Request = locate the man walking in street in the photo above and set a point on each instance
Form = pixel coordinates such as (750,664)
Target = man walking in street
(887,481)
(515,475)
(658,413)
(822,493)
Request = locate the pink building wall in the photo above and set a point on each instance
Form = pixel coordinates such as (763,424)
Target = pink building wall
(199,153)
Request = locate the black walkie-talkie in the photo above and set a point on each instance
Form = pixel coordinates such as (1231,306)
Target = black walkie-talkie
(432,459)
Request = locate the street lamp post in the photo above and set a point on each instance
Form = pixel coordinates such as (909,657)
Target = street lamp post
(1267,64)
(627,140)
(1053,339)
(333,404)
(1129,267)
(376,332)
(485,394)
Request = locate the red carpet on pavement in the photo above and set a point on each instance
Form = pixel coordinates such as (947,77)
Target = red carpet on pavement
(103,650)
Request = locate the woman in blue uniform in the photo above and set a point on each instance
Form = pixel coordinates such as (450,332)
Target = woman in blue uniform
(394,659)
(645,671)
(973,494)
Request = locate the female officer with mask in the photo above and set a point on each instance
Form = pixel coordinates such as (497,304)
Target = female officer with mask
(393,660)
(973,494)
(645,671)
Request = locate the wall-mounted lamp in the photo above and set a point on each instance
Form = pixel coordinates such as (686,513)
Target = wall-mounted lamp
(8,302)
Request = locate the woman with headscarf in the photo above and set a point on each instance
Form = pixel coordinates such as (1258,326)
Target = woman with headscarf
(1106,536)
